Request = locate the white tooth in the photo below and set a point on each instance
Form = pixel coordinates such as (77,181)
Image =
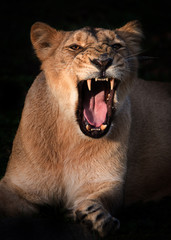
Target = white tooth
(101,79)
(108,97)
(111,84)
(95,129)
(88,127)
(89,84)
(103,127)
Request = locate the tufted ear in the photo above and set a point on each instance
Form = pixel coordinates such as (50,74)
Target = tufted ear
(132,34)
(45,39)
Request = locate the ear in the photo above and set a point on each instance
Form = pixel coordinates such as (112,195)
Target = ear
(45,39)
(132,34)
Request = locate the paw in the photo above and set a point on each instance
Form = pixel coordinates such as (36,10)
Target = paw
(96,218)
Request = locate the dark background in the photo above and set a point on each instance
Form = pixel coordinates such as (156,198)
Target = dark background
(19,66)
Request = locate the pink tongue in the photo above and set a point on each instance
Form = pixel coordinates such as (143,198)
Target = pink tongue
(95,108)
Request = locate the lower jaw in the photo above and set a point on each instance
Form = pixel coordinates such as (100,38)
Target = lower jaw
(95,132)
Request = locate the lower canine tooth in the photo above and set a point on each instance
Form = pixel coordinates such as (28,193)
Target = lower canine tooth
(111,84)
(88,127)
(103,127)
(89,84)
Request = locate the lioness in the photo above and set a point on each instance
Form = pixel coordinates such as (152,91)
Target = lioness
(91,133)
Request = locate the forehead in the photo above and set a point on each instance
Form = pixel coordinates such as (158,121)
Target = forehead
(92,35)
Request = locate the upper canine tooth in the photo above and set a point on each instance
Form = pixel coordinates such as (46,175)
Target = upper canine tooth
(89,84)
(111,84)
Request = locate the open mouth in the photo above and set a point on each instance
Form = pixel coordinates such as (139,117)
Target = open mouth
(96,106)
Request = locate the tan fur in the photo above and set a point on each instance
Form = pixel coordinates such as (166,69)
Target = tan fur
(52,160)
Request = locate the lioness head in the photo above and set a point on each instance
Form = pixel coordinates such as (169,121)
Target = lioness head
(89,70)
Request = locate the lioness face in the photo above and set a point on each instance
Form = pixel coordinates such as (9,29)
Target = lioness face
(97,65)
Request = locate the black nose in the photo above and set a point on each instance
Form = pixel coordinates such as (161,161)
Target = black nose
(102,63)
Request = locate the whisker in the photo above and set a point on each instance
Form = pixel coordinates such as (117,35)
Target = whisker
(134,55)
(144,58)
(129,58)
(130,69)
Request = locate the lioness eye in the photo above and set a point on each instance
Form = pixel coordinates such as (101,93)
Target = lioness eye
(116,46)
(75,47)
